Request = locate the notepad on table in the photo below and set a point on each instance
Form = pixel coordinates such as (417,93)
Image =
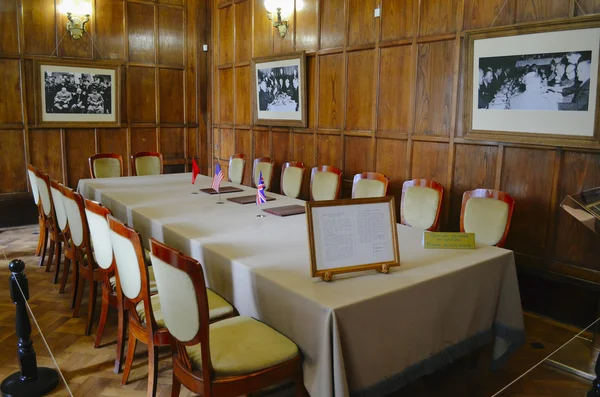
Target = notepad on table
(247,199)
(286,210)
(224,189)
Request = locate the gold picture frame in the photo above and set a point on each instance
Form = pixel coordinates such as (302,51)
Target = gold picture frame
(365,216)
(77,94)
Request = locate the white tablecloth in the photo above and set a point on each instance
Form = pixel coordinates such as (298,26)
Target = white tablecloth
(362,334)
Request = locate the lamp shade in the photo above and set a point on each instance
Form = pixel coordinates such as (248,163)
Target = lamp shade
(76,7)
(287,7)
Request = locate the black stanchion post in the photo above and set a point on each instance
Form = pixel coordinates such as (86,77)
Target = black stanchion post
(31,381)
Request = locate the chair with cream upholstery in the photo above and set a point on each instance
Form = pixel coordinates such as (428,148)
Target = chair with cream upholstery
(487,213)
(325,183)
(237,166)
(369,184)
(106,165)
(54,235)
(146,322)
(36,199)
(146,163)
(421,204)
(264,165)
(292,176)
(63,226)
(232,357)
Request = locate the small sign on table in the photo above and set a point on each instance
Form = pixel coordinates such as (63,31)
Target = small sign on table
(450,240)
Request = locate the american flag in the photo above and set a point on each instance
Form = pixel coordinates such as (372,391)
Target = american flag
(217,178)
(260,193)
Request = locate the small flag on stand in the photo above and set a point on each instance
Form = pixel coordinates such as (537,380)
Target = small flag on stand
(195,170)
(217,178)
(260,193)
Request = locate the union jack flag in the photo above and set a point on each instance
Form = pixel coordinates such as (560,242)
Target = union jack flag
(260,193)
(217,178)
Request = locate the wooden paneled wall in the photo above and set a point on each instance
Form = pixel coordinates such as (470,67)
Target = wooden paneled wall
(384,95)
(164,85)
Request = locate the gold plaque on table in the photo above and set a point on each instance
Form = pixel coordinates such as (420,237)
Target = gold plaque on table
(352,235)
(438,240)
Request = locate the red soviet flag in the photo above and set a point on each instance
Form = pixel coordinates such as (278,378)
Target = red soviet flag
(195,170)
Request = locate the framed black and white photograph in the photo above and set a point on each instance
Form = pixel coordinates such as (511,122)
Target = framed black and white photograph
(536,81)
(279,90)
(76,94)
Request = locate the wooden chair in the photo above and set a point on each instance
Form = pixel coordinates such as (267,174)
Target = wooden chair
(146,322)
(146,163)
(487,213)
(325,183)
(237,168)
(31,170)
(263,356)
(421,204)
(369,184)
(106,165)
(87,268)
(264,165)
(292,176)
(54,236)
(63,225)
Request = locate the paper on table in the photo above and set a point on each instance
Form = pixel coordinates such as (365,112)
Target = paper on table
(352,235)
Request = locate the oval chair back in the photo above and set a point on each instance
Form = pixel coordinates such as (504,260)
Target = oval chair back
(237,168)
(369,184)
(292,176)
(487,213)
(264,165)
(106,165)
(59,205)
(33,182)
(421,204)
(325,183)
(146,163)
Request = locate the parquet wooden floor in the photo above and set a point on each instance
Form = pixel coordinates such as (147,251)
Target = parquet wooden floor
(88,371)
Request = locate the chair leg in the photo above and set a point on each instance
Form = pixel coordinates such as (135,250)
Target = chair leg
(129,358)
(42,236)
(121,330)
(175,386)
(79,297)
(65,277)
(58,247)
(299,382)
(50,254)
(75,282)
(44,246)
(103,317)
(91,307)
(152,368)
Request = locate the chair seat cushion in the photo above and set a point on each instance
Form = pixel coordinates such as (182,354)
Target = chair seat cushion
(242,345)
(153,288)
(217,307)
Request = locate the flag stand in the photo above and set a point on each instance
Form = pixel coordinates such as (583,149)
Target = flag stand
(260,212)
(220,202)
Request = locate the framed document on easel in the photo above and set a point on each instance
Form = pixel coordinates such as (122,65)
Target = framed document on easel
(352,235)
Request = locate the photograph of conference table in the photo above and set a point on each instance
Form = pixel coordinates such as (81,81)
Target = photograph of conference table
(364,333)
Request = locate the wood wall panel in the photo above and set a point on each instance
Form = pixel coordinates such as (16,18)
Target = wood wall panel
(438,17)
(10,91)
(541,10)
(384,94)
(36,12)
(80,144)
(361,21)
(172,2)
(397,19)
(46,152)
(396,79)
(140,24)
(172,143)
(331,91)
(333,23)
(574,243)
(306,26)
(474,168)
(142,87)
(225,35)
(243,31)
(13,177)
(243,95)
(482,13)
(114,140)
(434,88)
(171,96)
(430,161)
(527,175)
(9,40)
(227,143)
(110,29)
(170,36)
(361,90)
(243,144)
(143,140)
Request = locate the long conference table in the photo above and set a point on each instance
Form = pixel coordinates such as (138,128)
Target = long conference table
(363,334)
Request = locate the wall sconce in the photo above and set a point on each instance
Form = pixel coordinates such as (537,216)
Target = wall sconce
(279,12)
(78,13)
